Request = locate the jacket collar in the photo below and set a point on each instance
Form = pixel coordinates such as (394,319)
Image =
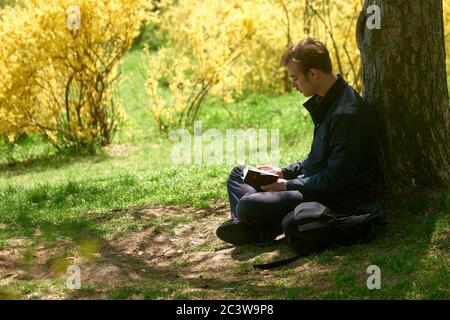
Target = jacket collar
(318,106)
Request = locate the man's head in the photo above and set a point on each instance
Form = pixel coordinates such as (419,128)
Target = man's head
(309,65)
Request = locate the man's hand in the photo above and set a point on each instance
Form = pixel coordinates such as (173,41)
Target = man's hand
(271,169)
(280,185)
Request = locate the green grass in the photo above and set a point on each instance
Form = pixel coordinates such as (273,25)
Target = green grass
(45,187)
(84,200)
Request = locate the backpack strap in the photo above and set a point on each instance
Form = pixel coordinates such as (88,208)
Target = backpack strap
(276,264)
(380,222)
(371,233)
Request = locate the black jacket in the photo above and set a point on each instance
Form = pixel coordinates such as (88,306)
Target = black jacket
(342,163)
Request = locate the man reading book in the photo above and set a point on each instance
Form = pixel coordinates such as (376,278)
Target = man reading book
(339,169)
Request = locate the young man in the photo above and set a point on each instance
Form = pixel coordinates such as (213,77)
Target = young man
(339,169)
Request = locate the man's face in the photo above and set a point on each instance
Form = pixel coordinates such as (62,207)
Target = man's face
(301,82)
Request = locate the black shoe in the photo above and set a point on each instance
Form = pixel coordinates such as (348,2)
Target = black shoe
(239,233)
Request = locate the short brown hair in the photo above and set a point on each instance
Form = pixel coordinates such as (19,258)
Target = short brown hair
(308,53)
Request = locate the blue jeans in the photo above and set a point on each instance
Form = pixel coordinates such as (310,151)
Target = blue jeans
(255,206)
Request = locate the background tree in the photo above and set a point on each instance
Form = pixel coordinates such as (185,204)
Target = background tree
(404,80)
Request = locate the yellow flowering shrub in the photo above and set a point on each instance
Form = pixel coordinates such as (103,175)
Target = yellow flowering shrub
(201,55)
(59,61)
(232,48)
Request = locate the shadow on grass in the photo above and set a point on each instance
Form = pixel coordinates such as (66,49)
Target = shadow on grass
(48,231)
(56,160)
(26,209)
(401,250)
(141,279)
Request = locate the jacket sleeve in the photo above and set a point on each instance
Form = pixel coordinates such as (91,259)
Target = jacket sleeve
(292,171)
(346,145)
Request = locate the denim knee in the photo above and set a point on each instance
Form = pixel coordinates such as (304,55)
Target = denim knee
(236,172)
(245,209)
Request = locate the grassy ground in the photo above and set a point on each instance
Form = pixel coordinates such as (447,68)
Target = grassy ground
(141,227)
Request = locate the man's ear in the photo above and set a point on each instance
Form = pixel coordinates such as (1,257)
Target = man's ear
(313,73)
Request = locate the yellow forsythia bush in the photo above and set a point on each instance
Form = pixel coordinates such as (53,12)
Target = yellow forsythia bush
(204,54)
(59,61)
(232,48)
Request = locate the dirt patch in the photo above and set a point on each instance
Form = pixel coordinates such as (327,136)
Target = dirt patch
(190,251)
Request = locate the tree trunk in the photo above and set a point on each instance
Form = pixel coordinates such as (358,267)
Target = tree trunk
(404,81)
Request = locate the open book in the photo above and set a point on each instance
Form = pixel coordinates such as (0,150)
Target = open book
(257,178)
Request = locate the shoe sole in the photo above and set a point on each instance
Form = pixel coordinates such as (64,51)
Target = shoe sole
(237,233)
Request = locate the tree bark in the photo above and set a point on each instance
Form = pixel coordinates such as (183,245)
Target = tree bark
(404,81)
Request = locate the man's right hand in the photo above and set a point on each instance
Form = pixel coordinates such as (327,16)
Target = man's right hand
(271,169)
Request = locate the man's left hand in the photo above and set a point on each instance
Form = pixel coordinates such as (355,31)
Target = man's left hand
(280,185)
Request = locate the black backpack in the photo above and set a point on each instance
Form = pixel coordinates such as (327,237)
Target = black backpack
(312,227)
